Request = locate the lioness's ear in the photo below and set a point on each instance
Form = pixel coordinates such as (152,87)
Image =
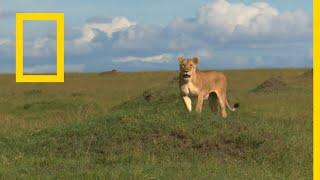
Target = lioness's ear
(180,59)
(195,60)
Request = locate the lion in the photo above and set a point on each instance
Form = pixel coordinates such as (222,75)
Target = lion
(204,85)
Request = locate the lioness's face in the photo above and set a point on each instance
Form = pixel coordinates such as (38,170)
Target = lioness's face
(188,67)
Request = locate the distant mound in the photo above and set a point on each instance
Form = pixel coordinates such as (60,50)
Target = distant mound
(307,74)
(270,85)
(113,71)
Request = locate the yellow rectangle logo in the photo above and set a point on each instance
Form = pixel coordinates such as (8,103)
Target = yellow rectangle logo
(59,18)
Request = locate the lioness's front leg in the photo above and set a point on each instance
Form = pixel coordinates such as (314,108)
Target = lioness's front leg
(199,103)
(187,102)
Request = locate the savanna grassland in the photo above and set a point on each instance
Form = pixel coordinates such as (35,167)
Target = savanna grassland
(134,126)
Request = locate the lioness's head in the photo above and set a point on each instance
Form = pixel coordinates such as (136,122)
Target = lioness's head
(188,67)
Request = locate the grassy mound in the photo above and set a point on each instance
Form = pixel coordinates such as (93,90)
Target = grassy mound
(272,84)
(158,139)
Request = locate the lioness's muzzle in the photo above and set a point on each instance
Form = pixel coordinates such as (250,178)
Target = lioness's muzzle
(186,75)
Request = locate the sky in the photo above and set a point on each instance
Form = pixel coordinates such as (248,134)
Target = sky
(149,34)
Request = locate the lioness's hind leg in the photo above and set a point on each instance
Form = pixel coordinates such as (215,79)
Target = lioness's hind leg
(213,102)
(222,101)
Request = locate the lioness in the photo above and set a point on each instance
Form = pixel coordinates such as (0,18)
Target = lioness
(210,85)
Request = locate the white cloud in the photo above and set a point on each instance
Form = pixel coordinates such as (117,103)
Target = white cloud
(227,16)
(218,23)
(6,47)
(222,31)
(161,58)
(203,53)
(140,37)
(222,21)
(42,47)
(96,29)
(4,42)
(115,25)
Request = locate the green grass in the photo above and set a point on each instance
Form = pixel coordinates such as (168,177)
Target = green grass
(32,107)
(270,137)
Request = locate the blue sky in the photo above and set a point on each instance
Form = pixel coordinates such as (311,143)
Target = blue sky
(149,34)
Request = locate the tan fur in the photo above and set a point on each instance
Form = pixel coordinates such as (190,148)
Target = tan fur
(204,85)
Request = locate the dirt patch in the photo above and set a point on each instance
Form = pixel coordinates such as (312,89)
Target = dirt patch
(225,145)
(33,92)
(147,95)
(239,143)
(183,138)
(179,134)
(271,85)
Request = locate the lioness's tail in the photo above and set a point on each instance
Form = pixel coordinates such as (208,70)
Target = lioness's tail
(235,106)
